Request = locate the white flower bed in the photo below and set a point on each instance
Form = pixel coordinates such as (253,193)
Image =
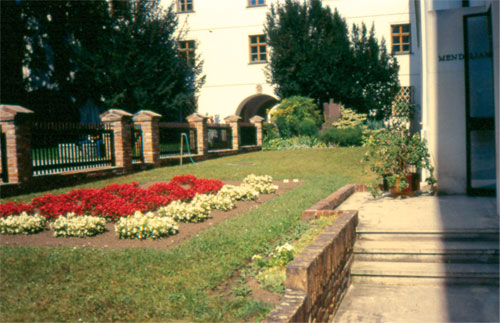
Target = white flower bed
(214,202)
(239,193)
(80,226)
(262,184)
(145,226)
(185,212)
(22,224)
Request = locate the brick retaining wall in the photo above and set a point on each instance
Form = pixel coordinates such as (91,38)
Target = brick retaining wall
(318,278)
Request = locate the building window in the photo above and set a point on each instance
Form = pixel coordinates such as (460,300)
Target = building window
(256,3)
(258,49)
(184,5)
(186,51)
(400,39)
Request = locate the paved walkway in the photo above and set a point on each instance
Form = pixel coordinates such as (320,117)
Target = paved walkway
(423,213)
(421,300)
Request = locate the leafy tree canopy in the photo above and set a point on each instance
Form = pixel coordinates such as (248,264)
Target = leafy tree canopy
(123,54)
(313,54)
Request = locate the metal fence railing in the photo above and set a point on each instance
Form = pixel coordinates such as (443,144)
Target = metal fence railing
(170,139)
(248,134)
(137,145)
(219,137)
(63,147)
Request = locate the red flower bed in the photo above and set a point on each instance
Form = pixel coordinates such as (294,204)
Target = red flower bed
(9,208)
(115,200)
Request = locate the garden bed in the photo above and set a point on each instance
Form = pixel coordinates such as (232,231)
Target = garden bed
(110,240)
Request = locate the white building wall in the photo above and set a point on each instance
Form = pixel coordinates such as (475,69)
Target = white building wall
(443,88)
(222,34)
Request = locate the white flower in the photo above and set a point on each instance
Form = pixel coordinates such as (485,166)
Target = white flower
(22,224)
(145,226)
(72,225)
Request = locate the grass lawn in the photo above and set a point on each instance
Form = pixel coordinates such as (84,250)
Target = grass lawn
(59,284)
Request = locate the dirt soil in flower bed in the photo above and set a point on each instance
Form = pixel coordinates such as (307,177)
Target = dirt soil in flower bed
(110,240)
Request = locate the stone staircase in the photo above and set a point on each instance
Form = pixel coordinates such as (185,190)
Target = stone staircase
(435,257)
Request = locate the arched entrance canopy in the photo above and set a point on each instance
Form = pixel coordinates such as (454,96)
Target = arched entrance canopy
(254,105)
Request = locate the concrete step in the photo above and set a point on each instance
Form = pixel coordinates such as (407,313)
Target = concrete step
(446,235)
(418,303)
(432,272)
(427,250)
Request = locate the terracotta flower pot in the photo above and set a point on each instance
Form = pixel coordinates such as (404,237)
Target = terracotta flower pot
(413,186)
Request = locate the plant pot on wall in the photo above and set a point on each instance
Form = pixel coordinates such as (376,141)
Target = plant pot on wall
(413,186)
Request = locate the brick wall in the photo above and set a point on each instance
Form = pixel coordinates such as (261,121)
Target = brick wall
(15,124)
(318,278)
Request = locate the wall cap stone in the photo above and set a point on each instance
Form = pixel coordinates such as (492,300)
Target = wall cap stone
(11,112)
(256,119)
(232,118)
(196,117)
(146,115)
(114,115)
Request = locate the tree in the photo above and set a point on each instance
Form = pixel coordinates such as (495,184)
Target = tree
(375,73)
(53,29)
(138,66)
(121,53)
(12,50)
(309,50)
(312,55)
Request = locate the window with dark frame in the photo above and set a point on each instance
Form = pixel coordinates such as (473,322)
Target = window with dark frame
(186,51)
(256,3)
(400,35)
(184,5)
(258,49)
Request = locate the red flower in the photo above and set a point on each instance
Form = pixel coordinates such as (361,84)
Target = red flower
(116,200)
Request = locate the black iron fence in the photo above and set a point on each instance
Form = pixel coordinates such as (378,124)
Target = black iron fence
(63,147)
(3,157)
(137,145)
(219,137)
(170,139)
(248,134)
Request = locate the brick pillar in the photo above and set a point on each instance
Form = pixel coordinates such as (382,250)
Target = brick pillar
(121,123)
(16,125)
(234,123)
(149,122)
(200,123)
(257,121)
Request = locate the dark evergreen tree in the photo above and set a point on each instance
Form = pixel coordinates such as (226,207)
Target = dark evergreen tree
(137,65)
(121,53)
(374,71)
(12,31)
(311,54)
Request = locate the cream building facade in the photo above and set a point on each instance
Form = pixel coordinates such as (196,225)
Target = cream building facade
(223,36)
(456,106)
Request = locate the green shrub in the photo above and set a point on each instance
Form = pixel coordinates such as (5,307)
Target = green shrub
(374,124)
(269,131)
(300,142)
(297,115)
(350,119)
(342,137)
(308,128)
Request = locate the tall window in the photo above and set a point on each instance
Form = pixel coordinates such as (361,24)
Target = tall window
(184,5)
(400,39)
(256,3)
(186,51)
(258,49)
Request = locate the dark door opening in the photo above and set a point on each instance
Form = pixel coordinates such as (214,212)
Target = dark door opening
(480,105)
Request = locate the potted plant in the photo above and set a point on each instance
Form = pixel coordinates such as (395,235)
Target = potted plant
(396,155)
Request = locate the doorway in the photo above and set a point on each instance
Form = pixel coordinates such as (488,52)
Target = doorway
(480,105)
